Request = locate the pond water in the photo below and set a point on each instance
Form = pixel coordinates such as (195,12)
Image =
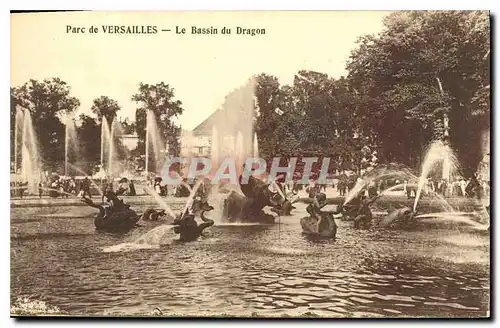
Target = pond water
(436,271)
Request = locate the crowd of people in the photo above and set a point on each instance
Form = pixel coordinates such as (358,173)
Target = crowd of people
(56,186)
(343,184)
(472,187)
(460,187)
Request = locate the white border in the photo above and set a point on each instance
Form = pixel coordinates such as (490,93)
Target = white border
(186,5)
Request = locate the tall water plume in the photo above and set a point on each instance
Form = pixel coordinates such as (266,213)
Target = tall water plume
(18,137)
(112,159)
(154,142)
(377,174)
(105,142)
(234,121)
(255,146)
(155,236)
(437,153)
(70,140)
(230,146)
(483,170)
(30,158)
(214,148)
(240,151)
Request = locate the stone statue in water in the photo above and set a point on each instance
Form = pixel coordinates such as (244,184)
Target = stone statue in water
(186,225)
(114,216)
(359,207)
(320,223)
(249,206)
(398,219)
(364,215)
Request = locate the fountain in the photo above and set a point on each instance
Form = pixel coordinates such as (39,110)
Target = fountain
(122,153)
(376,174)
(70,140)
(190,199)
(25,142)
(105,141)
(483,170)
(230,145)
(214,149)
(92,182)
(255,146)
(240,152)
(438,153)
(154,237)
(234,123)
(235,120)
(18,135)
(160,201)
(110,157)
(404,216)
(146,165)
(483,174)
(154,142)
(215,154)
(112,148)
(439,157)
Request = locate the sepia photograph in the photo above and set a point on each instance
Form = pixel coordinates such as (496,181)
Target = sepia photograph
(250,164)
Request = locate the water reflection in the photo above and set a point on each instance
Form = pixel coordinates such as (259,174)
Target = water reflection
(244,269)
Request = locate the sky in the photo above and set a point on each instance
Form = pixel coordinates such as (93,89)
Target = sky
(202,69)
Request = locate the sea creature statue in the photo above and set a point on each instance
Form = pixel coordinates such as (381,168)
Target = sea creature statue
(398,219)
(114,216)
(284,200)
(364,215)
(285,209)
(185,224)
(152,214)
(320,223)
(249,206)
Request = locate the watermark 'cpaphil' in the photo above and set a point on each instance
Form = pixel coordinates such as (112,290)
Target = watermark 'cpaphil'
(201,167)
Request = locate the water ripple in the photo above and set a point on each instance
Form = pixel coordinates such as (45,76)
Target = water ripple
(244,269)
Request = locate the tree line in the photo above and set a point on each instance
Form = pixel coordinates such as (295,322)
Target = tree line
(50,100)
(400,84)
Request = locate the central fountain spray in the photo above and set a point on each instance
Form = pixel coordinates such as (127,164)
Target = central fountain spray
(240,152)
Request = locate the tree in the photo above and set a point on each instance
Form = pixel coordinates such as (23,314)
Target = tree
(312,117)
(422,66)
(311,91)
(268,100)
(47,101)
(107,107)
(158,98)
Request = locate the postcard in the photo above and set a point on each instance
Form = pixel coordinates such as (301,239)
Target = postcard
(268,164)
